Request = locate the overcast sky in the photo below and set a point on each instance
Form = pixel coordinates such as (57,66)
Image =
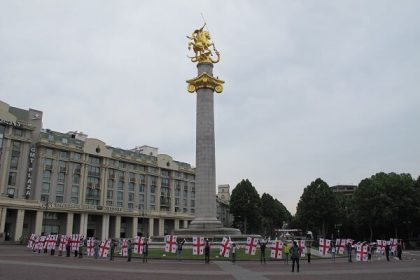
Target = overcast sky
(325,89)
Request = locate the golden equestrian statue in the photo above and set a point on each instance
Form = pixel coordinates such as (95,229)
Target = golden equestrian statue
(200,42)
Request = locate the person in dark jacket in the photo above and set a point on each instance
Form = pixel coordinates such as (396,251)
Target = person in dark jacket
(295,255)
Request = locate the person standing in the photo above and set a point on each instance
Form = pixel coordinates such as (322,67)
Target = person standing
(81,248)
(207,252)
(129,250)
(145,250)
(68,247)
(286,251)
(308,252)
(333,250)
(399,251)
(112,250)
(233,252)
(96,248)
(295,255)
(179,244)
(349,248)
(263,245)
(387,251)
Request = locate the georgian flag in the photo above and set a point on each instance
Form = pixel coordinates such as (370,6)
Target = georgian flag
(124,249)
(393,242)
(51,241)
(302,247)
(170,241)
(198,245)
(62,243)
(361,253)
(225,247)
(31,241)
(349,241)
(138,245)
(75,242)
(276,249)
(37,243)
(251,246)
(90,247)
(324,245)
(104,248)
(340,244)
(381,246)
(41,242)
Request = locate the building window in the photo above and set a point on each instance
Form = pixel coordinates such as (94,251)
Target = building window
(152,189)
(77,168)
(192,203)
(14,160)
(46,176)
(60,189)
(94,171)
(141,206)
(76,179)
(130,205)
(120,185)
(131,187)
(18,132)
(64,140)
(61,177)
(152,207)
(120,195)
(94,160)
(108,203)
(109,195)
(62,166)
(48,164)
(59,199)
(49,152)
(110,184)
(75,200)
(119,204)
(45,187)
(12,179)
(141,188)
(152,199)
(185,203)
(51,137)
(131,196)
(177,201)
(77,156)
(141,198)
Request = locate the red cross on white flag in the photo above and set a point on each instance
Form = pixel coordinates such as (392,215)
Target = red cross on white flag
(361,253)
(340,244)
(302,247)
(124,248)
(31,241)
(138,245)
(225,247)
(75,242)
(198,245)
(381,246)
(51,241)
(251,245)
(276,249)
(90,246)
(170,241)
(324,245)
(104,249)
(393,242)
(63,242)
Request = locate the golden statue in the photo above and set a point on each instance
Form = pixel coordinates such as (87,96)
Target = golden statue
(200,42)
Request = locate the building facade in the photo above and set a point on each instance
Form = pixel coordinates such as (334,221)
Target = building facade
(64,183)
(222,204)
(346,190)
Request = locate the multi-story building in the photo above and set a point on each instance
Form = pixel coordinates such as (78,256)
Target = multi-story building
(222,204)
(52,182)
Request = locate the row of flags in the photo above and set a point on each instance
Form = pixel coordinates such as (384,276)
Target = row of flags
(362,248)
(73,242)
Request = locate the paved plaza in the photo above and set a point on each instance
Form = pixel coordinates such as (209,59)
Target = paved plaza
(17,262)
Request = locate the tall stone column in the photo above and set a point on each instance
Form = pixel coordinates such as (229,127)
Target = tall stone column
(151,227)
(135,226)
(105,227)
(69,223)
(83,223)
(19,224)
(176,224)
(161,226)
(117,226)
(39,218)
(3,212)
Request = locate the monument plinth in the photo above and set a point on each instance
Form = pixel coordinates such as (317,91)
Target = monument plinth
(205,221)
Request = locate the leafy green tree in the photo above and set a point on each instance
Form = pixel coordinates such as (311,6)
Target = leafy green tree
(274,213)
(317,208)
(245,206)
(386,203)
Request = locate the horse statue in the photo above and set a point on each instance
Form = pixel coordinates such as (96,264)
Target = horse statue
(200,42)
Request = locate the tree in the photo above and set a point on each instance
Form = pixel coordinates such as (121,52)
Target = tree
(317,208)
(386,203)
(245,206)
(274,213)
